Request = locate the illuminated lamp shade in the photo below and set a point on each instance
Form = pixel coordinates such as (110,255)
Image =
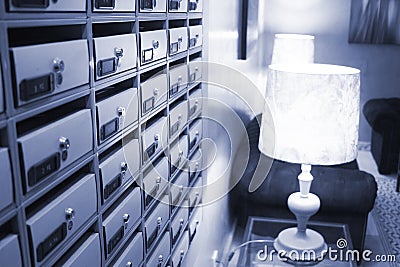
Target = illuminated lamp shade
(293,49)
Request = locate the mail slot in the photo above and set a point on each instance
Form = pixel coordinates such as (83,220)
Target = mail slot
(195,103)
(114,54)
(121,220)
(153,46)
(47,5)
(178,79)
(178,5)
(156,6)
(154,138)
(178,118)
(195,221)
(6,188)
(195,133)
(195,165)
(10,253)
(160,256)
(155,180)
(116,113)
(178,40)
(156,222)
(195,194)
(154,92)
(178,224)
(114,6)
(178,188)
(195,5)
(179,153)
(180,251)
(51,226)
(116,170)
(195,71)
(89,251)
(53,147)
(196,36)
(132,256)
(47,69)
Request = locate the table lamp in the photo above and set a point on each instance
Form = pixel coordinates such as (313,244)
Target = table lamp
(315,111)
(293,48)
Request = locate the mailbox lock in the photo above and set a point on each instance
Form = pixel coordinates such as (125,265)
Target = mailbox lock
(129,264)
(64,146)
(180,189)
(156,139)
(69,214)
(158,182)
(124,167)
(181,222)
(159,221)
(182,253)
(119,52)
(126,217)
(156,44)
(58,65)
(64,143)
(180,79)
(121,112)
(155,91)
(160,259)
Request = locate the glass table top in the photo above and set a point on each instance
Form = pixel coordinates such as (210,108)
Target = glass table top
(258,249)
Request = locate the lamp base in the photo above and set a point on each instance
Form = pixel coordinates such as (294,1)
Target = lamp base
(300,248)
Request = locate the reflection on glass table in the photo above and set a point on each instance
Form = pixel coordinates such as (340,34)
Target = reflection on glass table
(258,249)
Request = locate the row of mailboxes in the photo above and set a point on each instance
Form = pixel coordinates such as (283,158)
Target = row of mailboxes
(106,5)
(63,217)
(62,66)
(154,138)
(6,188)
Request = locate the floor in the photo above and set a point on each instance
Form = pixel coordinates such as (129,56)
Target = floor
(372,241)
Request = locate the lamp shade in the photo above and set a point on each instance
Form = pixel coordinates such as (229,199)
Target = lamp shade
(293,49)
(315,111)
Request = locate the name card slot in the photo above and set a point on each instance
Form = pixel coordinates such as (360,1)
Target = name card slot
(51,242)
(114,241)
(112,186)
(43,169)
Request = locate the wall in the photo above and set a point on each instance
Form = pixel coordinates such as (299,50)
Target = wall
(329,22)
(225,126)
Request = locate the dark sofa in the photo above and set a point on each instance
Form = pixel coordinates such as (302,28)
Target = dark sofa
(383,115)
(347,194)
